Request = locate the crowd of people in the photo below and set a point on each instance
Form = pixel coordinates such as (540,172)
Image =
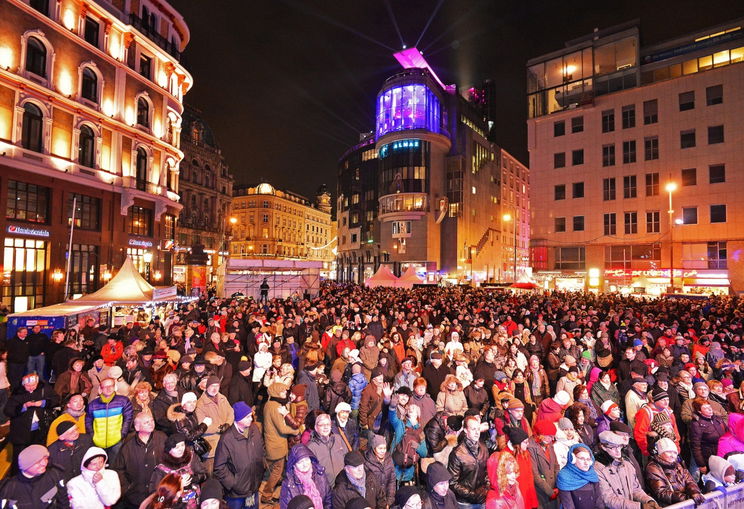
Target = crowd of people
(443,398)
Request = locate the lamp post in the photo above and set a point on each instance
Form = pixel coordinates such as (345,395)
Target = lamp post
(508,218)
(147,258)
(670,188)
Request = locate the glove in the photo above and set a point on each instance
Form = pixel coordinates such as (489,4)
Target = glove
(650,505)
(555,494)
(207,421)
(698,498)
(224,427)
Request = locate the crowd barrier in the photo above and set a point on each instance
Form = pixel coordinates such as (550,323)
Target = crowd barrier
(732,499)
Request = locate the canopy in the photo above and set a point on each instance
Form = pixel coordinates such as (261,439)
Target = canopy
(383,277)
(63,309)
(127,287)
(409,278)
(524,286)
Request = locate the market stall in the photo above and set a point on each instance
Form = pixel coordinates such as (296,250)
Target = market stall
(383,277)
(409,278)
(59,316)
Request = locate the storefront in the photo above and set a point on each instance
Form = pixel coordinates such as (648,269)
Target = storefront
(25,265)
(655,282)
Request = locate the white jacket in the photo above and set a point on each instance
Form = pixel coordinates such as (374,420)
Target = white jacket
(85,494)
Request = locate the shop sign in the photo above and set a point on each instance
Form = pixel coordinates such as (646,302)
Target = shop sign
(649,273)
(23,230)
(164,293)
(140,243)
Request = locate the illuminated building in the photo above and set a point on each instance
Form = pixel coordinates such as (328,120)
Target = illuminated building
(426,190)
(271,223)
(205,187)
(611,124)
(90,112)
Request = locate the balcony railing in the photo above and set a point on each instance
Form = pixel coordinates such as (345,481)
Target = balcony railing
(151,33)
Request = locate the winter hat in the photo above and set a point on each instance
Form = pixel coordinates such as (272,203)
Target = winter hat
(377,441)
(213,379)
(241,410)
(188,396)
(211,489)
(115,372)
(620,427)
(607,407)
(343,406)
(545,428)
(454,422)
(437,473)
(666,445)
(300,502)
(611,438)
(353,459)
(516,435)
(586,354)
(31,455)
(564,424)
(244,365)
(63,426)
(404,493)
(515,403)
(173,440)
(562,398)
(657,394)
(378,371)
(637,342)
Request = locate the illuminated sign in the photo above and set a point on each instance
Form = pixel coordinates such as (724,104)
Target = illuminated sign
(140,243)
(398,145)
(23,230)
(660,273)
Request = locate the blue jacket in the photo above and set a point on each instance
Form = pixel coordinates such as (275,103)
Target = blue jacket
(357,383)
(399,428)
(109,423)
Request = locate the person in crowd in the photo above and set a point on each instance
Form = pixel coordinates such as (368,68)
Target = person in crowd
(544,463)
(604,390)
(74,380)
(305,476)
(552,409)
(370,406)
(97,487)
(451,398)
(328,448)
(468,466)
(668,480)
(18,353)
(214,405)
(503,474)
(167,396)
(618,480)
(565,438)
(109,418)
(345,427)
(706,430)
(700,390)
(276,433)
(428,407)
(179,459)
(721,474)
(577,482)
(167,494)
(636,397)
(142,398)
(68,449)
(440,496)
(356,481)
(649,413)
(241,387)
(185,421)
(37,483)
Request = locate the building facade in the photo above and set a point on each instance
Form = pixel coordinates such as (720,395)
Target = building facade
(636,162)
(206,188)
(90,113)
(437,190)
(272,223)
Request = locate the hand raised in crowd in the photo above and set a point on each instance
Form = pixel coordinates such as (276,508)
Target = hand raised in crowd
(387,391)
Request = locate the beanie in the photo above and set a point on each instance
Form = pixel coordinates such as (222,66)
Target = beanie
(188,396)
(543,427)
(515,403)
(564,424)
(377,441)
(607,407)
(31,455)
(516,435)
(657,393)
(213,379)
(241,410)
(63,426)
(562,398)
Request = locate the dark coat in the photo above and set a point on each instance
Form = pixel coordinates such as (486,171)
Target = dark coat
(239,461)
(704,436)
(344,491)
(435,433)
(434,378)
(160,406)
(189,463)
(21,419)
(669,484)
(586,497)
(25,493)
(186,423)
(18,350)
(369,407)
(69,459)
(469,481)
(241,389)
(135,464)
(384,471)
(350,431)
(311,392)
(291,487)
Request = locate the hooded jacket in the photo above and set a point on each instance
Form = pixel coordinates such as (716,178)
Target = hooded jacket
(549,411)
(86,494)
(435,474)
(733,440)
(291,487)
(717,470)
(71,382)
(384,471)
(511,497)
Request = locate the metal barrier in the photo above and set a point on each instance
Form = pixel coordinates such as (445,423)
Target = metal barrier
(732,499)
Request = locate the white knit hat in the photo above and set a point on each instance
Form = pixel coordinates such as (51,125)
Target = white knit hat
(562,398)
(666,445)
(607,406)
(189,396)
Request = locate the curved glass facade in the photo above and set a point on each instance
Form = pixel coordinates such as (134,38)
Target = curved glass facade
(404,167)
(407,107)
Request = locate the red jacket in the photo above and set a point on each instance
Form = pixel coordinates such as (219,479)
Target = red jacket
(643,426)
(111,354)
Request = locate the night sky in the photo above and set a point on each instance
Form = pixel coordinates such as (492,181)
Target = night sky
(288,85)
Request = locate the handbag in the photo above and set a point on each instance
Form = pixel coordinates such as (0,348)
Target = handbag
(201,446)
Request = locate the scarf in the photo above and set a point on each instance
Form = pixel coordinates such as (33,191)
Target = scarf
(571,477)
(536,386)
(472,446)
(75,413)
(359,484)
(309,488)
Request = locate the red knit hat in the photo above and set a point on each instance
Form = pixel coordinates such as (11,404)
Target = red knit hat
(545,428)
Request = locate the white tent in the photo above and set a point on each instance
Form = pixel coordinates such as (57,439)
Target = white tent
(383,277)
(409,278)
(127,287)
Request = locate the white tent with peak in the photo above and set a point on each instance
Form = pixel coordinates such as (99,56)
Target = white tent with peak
(383,277)
(409,278)
(128,287)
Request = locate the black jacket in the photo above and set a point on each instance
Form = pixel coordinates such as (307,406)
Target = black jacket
(434,378)
(384,471)
(135,464)
(469,476)
(241,389)
(186,423)
(435,433)
(160,406)
(69,459)
(704,436)
(344,491)
(239,461)
(18,350)
(21,421)
(36,343)
(47,490)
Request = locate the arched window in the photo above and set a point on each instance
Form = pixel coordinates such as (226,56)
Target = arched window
(143,112)
(36,57)
(87,147)
(141,176)
(32,135)
(89,87)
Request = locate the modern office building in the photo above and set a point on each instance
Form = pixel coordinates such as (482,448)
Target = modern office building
(425,189)
(90,113)
(635,154)
(206,188)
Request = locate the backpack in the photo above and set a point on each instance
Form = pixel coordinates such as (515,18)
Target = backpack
(404,453)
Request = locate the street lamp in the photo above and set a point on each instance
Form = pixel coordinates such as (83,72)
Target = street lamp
(508,218)
(147,258)
(670,188)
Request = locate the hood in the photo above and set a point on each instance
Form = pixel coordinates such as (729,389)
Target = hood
(299,452)
(736,425)
(718,467)
(175,412)
(276,388)
(594,374)
(437,473)
(550,406)
(91,452)
(447,380)
(492,467)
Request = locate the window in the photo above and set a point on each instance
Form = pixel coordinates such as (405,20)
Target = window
(608,121)
(32,132)
(83,268)
(629,186)
(143,112)
(577,124)
(141,170)
(717,254)
(628,113)
(650,112)
(634,256)
(715,134)
(689,177)
(146,66)
(610,224)
(570,258)
(560,224)
(629,151)
(718,213)
(36,57)
(652,184)
(87,147)
(689,215)
(687,101)
(265,219)
(652,221)
(578,223)
(577,157)
(578,190)
(687,138)
(559,128)
(559,192)
(559,160)
(401,227)
(24,263)
(139,221)
(608,155)
(40,5)
(27,202)
(717,173)
(608,189)
(651,148)
(169,226)
(714,95)
(92,29)
(87,211)
(631,223)
(89,85)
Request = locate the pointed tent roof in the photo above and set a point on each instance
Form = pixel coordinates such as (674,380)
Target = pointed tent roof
(383,277)
(409,278)
(127,286)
